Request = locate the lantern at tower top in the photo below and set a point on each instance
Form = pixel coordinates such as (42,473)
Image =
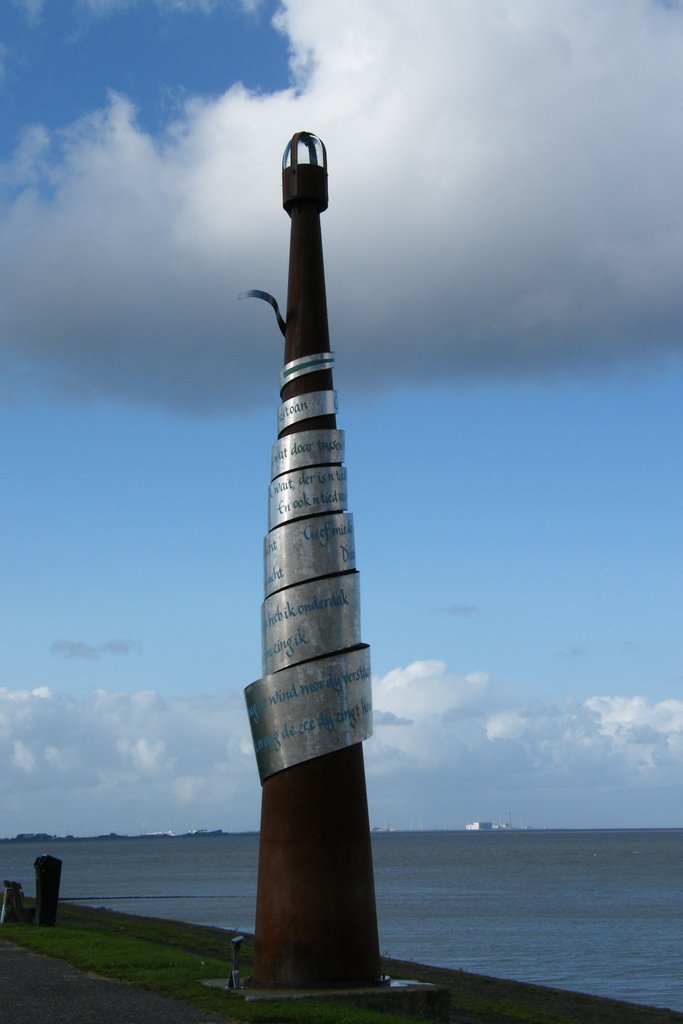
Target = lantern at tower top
(304,172)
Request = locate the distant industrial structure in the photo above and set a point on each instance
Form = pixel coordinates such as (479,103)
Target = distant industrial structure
(488,826)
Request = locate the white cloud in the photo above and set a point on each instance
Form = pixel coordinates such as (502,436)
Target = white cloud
(465,743)
(109,761)
(504,186)
(445,747)
(505,725)
(649,736)
(436,707)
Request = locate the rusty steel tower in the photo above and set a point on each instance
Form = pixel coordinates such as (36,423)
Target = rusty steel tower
(316,921)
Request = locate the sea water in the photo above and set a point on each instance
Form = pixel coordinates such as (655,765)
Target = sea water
(597,912)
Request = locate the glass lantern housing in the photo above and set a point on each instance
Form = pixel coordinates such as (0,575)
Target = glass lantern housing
(305,148)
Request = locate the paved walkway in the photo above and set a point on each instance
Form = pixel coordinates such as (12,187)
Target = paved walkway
(39,990)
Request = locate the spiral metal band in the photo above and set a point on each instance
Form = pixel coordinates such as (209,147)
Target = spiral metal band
(306,492)
(310,710)
(306,407)
(306,364)
(307,448)
(306,549)
(314,697)
(310,620)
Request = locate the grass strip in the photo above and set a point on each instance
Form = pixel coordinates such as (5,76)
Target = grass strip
(171,958)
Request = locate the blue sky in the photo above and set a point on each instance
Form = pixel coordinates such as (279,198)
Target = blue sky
(503,251)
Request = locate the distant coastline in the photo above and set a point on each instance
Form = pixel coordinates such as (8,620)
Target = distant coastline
(46,837)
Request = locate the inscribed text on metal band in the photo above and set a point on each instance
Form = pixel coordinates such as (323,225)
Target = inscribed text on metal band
(308,548)
(307,448)
(310,710)
(305,492)
(306,407)
(310,620)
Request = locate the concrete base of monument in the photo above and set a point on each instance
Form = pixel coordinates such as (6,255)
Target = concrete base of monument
(410,998)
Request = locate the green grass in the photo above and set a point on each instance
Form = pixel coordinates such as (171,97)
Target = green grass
(172,958)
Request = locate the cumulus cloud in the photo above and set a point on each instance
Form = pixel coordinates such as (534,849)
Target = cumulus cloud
(445,747)
(465,743)
(504,186)
(648,735)
(108,761)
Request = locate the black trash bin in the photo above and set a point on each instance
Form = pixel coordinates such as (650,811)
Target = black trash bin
(48,874)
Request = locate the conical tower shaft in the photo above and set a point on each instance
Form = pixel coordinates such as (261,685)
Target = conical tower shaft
(315,914)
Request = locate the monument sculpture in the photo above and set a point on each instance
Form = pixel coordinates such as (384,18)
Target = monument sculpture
(309,713)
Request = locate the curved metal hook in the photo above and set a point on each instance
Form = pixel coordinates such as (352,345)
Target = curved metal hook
(256,293)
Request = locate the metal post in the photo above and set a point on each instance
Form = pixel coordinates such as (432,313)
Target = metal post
(234,980)
(315,914)
(48,874)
